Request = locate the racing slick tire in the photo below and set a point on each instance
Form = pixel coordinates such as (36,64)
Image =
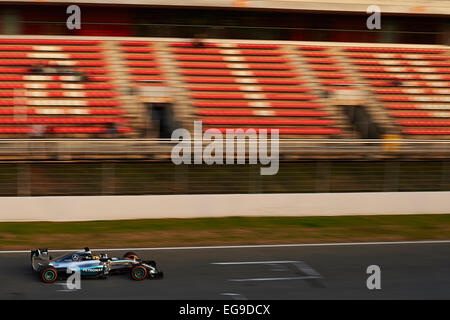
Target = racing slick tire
(49,275)
(138,273)
(131,255)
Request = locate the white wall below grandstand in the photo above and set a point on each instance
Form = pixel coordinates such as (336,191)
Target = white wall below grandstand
(89,208)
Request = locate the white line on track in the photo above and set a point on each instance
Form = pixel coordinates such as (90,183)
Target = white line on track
(253,262)
(66,289)
(235,296)
(253,246)
(275,279)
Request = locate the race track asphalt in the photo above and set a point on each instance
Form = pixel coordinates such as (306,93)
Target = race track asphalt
(408,271)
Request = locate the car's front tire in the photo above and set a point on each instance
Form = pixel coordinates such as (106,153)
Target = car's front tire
(49,275)
(138,273)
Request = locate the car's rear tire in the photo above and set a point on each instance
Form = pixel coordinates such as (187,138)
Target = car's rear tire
(49,275)
(131,255)
(138,273)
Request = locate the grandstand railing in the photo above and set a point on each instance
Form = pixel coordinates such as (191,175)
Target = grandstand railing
(161,149)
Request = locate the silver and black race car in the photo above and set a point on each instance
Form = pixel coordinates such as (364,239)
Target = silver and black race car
(92,266)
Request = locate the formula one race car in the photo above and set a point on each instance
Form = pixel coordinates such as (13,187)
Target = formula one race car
(92,266)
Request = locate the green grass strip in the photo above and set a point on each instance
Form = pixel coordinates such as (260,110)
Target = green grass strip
(222,231)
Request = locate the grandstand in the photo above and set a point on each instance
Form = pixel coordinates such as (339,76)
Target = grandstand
(225,83)
(135,72)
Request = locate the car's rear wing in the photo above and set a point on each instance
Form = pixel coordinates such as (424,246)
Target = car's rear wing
(39,258)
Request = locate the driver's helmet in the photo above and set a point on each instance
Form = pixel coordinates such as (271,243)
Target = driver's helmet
(86,255)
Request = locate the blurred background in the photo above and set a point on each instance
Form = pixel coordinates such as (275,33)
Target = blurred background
(91,110)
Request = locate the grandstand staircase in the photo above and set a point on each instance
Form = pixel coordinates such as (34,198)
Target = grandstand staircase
(184,113)
(375,114)
(319,88)
(362,123)
(239,85)
(134,113)
(325,71)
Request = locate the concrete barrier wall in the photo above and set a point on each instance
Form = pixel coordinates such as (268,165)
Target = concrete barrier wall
(84,208)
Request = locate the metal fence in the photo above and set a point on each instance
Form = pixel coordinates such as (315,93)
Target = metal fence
(126,167)
(69,149)
(142,177)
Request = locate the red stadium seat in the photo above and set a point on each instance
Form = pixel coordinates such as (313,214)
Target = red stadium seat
(255,104)
(262,113)
(300,131)
(420,115)
(265,122)
(403,106)
(426,131)
(393,50)
(59,120)
(404,69)
(398,56)
(228,45)
(236,73)
(235,66)
(229,52)
(242,80)
(231,59)
(253,96)
(415,98)
(249,88)
(88,129)
(50,48)
(423,123)
(49,41)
